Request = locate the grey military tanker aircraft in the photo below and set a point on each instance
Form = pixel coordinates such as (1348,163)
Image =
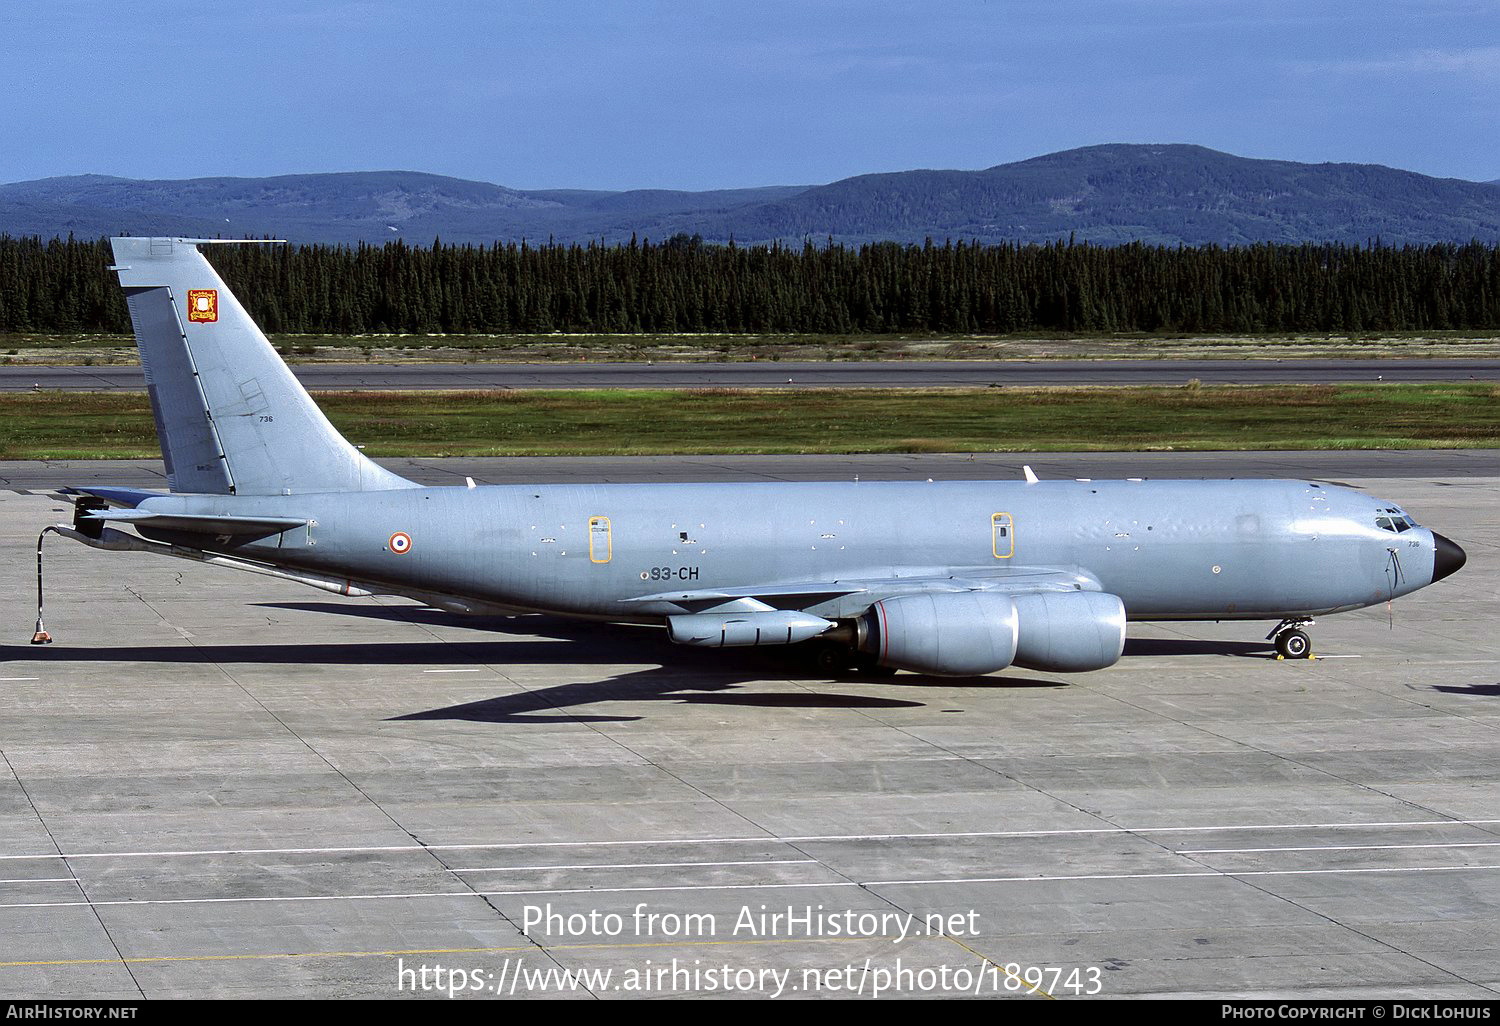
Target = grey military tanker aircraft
(951,578)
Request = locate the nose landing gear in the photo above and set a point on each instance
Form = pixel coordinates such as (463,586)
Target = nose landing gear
(1291,641)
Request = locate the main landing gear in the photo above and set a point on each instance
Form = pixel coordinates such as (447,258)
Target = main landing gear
(833,659)
(1291,641)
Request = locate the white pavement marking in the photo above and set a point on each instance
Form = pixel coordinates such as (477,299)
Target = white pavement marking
(427,894)
(637,865)
(764,839)
(1220,874)
(829,884)
(41,879)
(463,670)
(1336,847)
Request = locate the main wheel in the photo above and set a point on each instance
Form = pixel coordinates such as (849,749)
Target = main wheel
(1293,644)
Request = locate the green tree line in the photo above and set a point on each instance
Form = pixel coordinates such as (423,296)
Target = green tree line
(684,285)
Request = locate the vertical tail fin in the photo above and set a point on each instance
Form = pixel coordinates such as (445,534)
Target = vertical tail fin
(232,418)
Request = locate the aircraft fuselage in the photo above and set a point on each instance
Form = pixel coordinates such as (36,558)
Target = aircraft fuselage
(1168,549)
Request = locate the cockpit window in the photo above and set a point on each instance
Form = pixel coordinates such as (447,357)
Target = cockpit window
(1393,520)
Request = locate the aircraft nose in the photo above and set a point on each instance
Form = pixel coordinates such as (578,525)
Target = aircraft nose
(1447,558)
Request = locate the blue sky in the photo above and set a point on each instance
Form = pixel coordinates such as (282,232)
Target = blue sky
(722,94)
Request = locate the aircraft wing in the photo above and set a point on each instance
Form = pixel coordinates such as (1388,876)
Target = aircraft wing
(846,596)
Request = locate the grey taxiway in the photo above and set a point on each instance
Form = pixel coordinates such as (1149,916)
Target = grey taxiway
(790,374)
(214,786)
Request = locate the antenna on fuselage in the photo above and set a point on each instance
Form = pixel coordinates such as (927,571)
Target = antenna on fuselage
(1031,477)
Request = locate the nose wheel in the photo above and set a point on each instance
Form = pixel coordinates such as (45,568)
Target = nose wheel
(1291,640)
(1293,645)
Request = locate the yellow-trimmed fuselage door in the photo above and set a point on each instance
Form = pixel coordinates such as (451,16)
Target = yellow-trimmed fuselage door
(1003,535)
(601,544)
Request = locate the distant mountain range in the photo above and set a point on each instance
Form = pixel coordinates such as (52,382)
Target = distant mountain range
(1169,194)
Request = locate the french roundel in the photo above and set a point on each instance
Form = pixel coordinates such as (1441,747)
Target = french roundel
(400,543)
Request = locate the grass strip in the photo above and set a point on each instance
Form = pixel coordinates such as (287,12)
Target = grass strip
(85,425)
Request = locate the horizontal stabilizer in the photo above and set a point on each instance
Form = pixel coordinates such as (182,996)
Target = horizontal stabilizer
(201,523)
(116,496)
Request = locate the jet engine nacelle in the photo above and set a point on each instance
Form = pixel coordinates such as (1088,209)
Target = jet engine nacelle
(1069,631)
(955,634)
